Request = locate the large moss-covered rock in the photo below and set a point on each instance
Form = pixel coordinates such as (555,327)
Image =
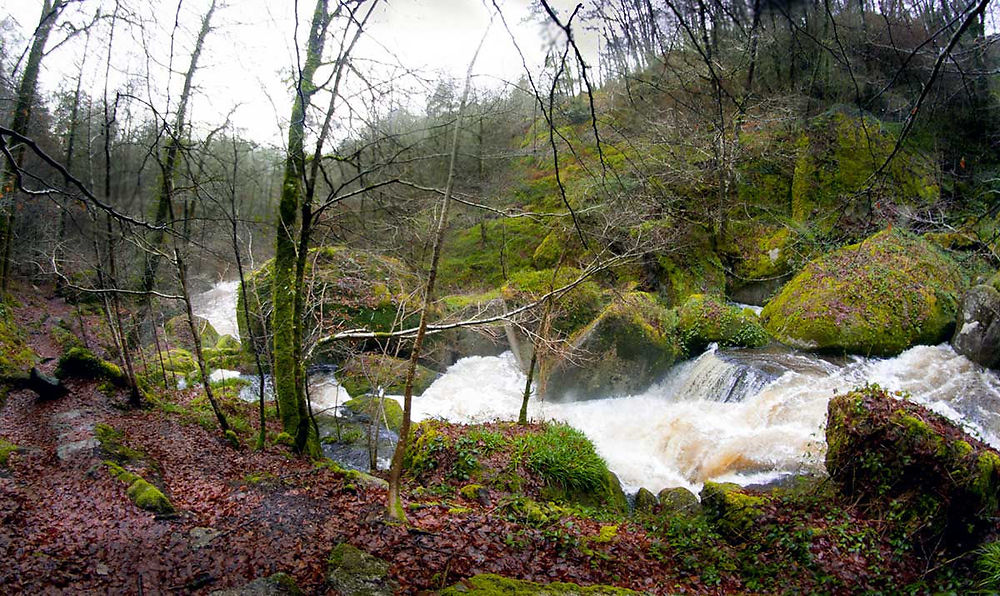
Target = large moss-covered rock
(365,373)
(762,255)
(353,571)
(386,410)
(708,319)
(907,461)
(347,289)
(977,334)
(878,297)
(81,362)
(178,332)
(624,350)
(488,583)
(569,311)
(730,509)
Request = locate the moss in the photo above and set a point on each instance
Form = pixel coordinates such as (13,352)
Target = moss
(707,319)
(285,439)
(179,361)
(232,438)
(470,263)
(364,373)
(143,494)
(178,332)
(731,511)
(472,492)
(936,482)
(353,571)
(682,260)
(422,450)
(16,357)
(6,448)
(368,404)
(571,310)
(81,362)
(112,442)
(878,297)
(489,584)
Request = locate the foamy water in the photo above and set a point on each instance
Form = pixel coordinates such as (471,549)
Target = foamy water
(218,305)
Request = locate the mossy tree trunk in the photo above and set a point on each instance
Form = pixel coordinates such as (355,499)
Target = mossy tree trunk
(395,504)
(289,373)
(19,124)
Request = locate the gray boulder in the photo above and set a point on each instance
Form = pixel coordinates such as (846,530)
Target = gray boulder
(977,334)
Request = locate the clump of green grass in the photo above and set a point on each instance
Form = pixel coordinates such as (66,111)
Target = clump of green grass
(563,455)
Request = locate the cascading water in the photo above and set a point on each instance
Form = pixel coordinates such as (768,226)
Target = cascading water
(745,416)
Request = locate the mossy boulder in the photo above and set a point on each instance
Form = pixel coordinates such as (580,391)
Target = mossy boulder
(279,584)
(680,260)
(731,510)
(227,354)
(645,501)
(489,583)
(178,332)
(569,311)
(761,256)
(346,289)
(444,349)
(938,483)
(353,571)
(82,363)
(977,333)
(678,501)
(6,448)
(364,373)
(624,350)
(143,494)
(708,319)
(390,413)
(878,297)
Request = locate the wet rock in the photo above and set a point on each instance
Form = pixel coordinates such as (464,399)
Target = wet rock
(977,334)
(678,500)
(202,537)
(645,501)
(279,584)
(353,571)
(489,583)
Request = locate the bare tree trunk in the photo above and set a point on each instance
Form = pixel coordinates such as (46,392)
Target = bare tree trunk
(22,118)
(395,504)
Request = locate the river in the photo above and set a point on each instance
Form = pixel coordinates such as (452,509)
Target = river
(738,415)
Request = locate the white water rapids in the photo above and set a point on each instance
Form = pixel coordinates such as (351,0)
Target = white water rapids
(745,416)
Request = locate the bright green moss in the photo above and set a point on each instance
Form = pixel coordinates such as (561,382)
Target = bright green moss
(81,362)
(390,412)
(731,511)
(571,310)
(16,357)
(112,442)
(684,260)
(364,373)
(878,297)
(178,332)
(707,319)
(490,585)
(6,448)
(142,493)
(353,571)
(483,256)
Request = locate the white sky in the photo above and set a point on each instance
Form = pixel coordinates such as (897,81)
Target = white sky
(249,55)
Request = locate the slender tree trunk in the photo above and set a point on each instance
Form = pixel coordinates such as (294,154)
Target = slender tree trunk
(395,504)
(21,120)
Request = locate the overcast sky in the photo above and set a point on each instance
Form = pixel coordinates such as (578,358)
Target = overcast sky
(248,58)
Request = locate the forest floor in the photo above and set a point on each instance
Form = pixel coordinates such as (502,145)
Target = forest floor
(67,525)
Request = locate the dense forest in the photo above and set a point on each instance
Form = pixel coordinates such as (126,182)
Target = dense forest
(703,298)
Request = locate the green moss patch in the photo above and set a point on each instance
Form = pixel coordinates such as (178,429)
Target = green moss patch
(6,448)
(707,319)
(488,584)
(571,310)
(353,571)
(178,332)
(878,297)
(16,357)
(143,494)
(387,410)
(81,362)
(484,255)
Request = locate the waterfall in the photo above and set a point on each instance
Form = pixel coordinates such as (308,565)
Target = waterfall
(734,415)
